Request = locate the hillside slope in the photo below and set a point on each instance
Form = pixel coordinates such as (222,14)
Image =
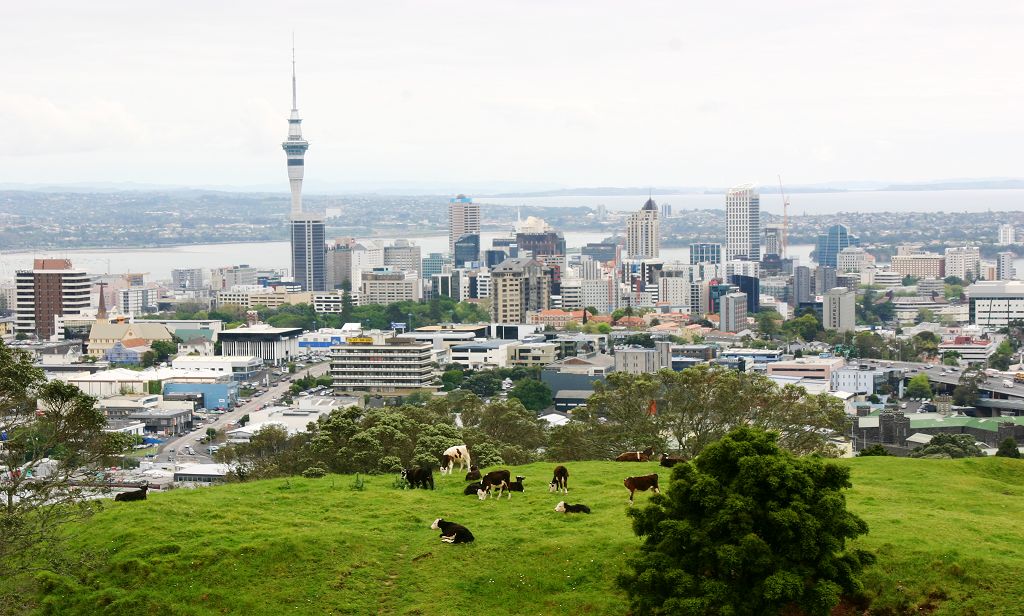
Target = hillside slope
(946,532)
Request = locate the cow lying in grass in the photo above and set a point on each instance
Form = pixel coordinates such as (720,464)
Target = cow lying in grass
(452,532)
(473,474)
(669,461)
(564,507)
(636,456)
(560,481)
(642,483)
(472,489)
(134,495)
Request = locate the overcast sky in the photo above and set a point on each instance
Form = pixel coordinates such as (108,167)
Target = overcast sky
(584,93)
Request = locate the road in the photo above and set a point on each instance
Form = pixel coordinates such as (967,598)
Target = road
(172,450)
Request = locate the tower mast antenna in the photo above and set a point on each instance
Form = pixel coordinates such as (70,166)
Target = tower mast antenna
(295,104)
(785,218)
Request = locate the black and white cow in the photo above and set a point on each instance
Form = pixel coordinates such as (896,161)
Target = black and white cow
(517,485)
(452,532)
(564,507)
(473,488)
(455,453)
(494,480)
(419,477)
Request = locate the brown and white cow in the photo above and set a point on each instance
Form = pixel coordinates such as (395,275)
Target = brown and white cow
(636,456)
(641,484)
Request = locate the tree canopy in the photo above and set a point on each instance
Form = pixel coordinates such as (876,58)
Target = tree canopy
(746,528)
(919,387)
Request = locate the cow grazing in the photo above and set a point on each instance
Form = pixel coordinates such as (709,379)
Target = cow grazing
(419,477)
(560,482)
(473,488)
(642,484)
(473,474)
(517,485)
(495,479)
(452,532)
(636,456)
(134,495)
(669,461)
(455,453)
(564,507)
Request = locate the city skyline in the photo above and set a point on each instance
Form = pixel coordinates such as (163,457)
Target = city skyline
(418,109)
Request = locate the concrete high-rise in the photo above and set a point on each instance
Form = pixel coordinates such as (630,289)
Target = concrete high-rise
(1007,235)
(52,288)
(643,232)
(964,262)
(839,309)
(463,219)
(743,223)
(1004,266)
(307,231)
(733,314)
(519,286)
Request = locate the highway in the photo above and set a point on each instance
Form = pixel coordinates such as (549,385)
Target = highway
(172,450)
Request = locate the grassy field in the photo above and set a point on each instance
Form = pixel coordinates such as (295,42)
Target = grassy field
(947,534)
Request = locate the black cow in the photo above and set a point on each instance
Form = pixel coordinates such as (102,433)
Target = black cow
(517,485)
(134,495)
(564,507)
(472,489)
(419,477)
(473,474)
(560,482)
(452,532)
(642,483)
(495,479)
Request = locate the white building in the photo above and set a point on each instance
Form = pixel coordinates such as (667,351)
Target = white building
(742,267)
(839,309)
(743,223)
(274,345)
(463,219)
(483,354)
(643,232)
(963,262)
(135,301)
(1007,235)
(379,362)
(387,287)
(733,317)
(239,367)
(920,265)
(996,303)
(1004,266)
(853,259)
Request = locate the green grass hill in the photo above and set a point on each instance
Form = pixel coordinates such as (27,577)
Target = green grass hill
(947,534)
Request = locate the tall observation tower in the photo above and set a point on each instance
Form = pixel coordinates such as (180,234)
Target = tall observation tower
(307,231)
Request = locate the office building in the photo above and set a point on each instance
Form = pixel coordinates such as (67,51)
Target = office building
(964,262)
(274,345)
(603,252)
(802,285)
(705,253)
(51,289)
(666,211)
(403,255)
(135,301)
(378,362)
(1004,266)
(751,287)
(643,232)
(309,251)
(1007,235)
(733,316)
(825,278)
(387,287)
(187,279)
(467,250)
(920,265)
(225,278)
(853,259)
(835,239)
(463,219)
(743,223)
(995,303)
(539,238)
(839,309)
(518,287)
(494,256)
(773,238)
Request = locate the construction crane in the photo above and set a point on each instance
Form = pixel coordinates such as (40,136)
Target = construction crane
(785,218)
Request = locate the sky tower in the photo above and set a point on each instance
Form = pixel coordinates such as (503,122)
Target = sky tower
(295,147)
(307,231)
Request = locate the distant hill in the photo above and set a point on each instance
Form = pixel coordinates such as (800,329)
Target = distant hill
(945,532)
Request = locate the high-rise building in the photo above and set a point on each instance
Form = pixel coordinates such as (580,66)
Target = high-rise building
(824,279)
(666,210)
(920,265)
(387,287)
(518,287)
(801,285)
(751,287)
(183,279)
(643,232)
(829,244)
(224,278)
(463,218)
(403,255)
(309,251)
(964,262)
(467,250)
(1007,235)
(434,264)
(1004,266)
(603,252)
(307,231)
(705,253)
(839,309)
(773,235)
(52,288)
(743,223)
(853,259)
(733,316)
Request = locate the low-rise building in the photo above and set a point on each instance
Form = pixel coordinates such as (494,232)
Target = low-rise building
(483,354)
(971,350)
(238,367)
(995,303)
(381,363)
(816,368)
(532,354)
(865,379)
(578,372)
(274,345)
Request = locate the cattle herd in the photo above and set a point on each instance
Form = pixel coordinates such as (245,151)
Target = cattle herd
(499,482)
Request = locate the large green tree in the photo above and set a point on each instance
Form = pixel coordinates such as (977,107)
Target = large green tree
(919,387)
(746,528)
(535,395)
(50,462)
